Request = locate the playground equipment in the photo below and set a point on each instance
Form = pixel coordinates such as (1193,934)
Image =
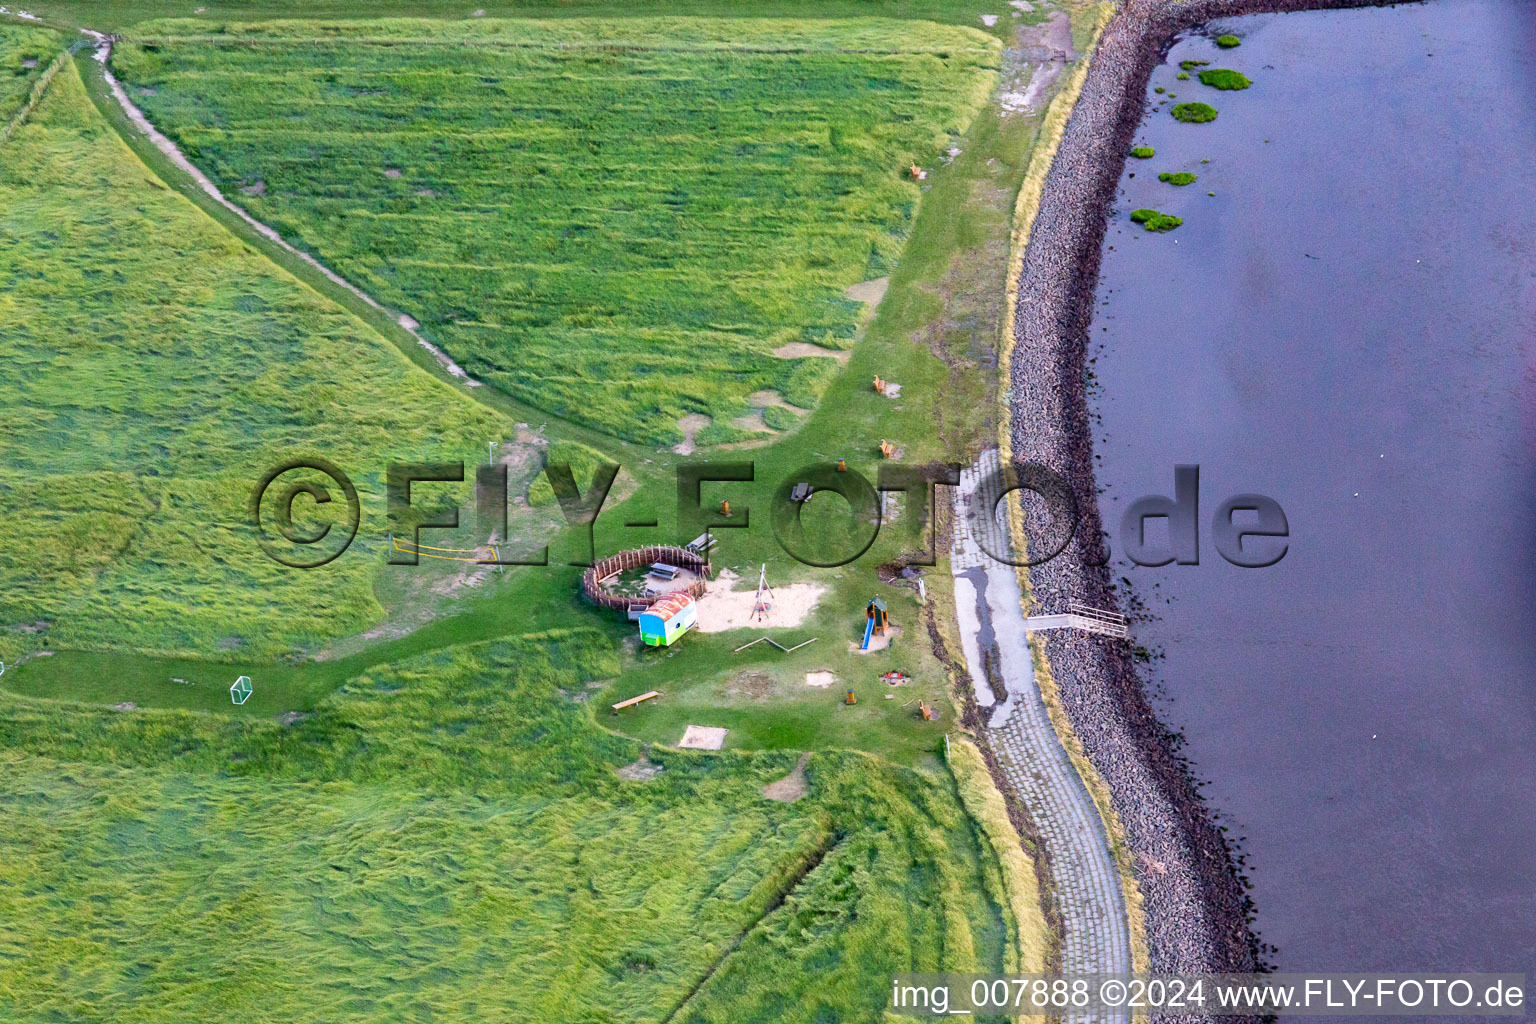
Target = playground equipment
(886,449)
(875,621)
(668,619)
(725,507)
(879,384)
(240,692)
(631,702)
(761,604)
(842,465)
(918,174)
(596,581)
(775,643)
(924,711)
(486,553)
(894,678)
(850,699)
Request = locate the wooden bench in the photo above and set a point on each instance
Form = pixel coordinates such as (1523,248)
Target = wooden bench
(621,705)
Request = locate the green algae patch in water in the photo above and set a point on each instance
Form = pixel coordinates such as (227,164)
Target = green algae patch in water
(1190,65)
(1227,42)
(1156,220)
(1224,78)
(1180,178)
(1144,152)
(1193,113)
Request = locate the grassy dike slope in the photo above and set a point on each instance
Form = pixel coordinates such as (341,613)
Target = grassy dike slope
(620,221)
(446,838)
(156,367)
(25,53)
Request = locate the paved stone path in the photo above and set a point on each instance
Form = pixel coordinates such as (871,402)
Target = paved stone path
(1019,731)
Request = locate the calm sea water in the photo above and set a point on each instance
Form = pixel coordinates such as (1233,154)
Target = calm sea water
(1349,326)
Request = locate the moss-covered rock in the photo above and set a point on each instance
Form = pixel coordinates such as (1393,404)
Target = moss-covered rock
(1156,220)
(1224,78)
(1193,113)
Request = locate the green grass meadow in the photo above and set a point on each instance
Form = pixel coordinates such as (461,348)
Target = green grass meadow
(25,53)
(613,218)
(617,221)
(156,367)
(446,838)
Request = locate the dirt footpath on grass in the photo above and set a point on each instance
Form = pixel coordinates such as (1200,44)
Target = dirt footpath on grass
(177,158)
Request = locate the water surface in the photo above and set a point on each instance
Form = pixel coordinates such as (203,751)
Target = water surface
(1349,326)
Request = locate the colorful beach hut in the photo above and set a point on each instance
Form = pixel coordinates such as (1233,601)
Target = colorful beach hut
(667,619)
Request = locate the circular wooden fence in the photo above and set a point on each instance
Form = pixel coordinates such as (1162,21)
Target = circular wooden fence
(594,580)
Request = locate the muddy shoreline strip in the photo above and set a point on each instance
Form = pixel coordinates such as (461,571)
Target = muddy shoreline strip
(1197,913)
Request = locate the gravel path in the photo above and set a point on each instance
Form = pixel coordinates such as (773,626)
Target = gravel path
(1032,764)
(1196,910)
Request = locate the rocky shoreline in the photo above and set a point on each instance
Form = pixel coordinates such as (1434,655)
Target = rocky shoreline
(1197,912)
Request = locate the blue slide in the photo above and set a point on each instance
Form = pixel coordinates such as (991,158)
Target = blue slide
(869,628)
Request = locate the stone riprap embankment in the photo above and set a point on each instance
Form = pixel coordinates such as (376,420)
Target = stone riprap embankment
(1196,913)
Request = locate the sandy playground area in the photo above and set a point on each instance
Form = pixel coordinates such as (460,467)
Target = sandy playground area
(724,608)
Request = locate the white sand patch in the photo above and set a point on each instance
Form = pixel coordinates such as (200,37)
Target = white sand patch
(722,608)
(690,425)
(751,421)
(766,398)
(871,291)
(804,349)
(703,737)
(792,786)
(822,679)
